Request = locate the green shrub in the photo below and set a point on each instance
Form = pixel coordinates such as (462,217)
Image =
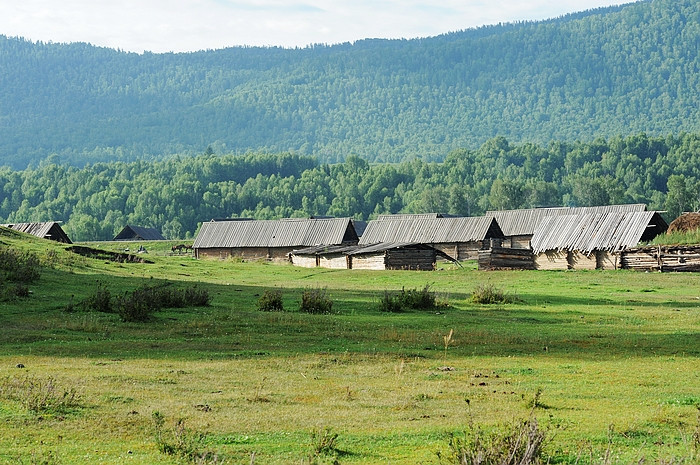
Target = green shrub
(390,303)
(489,294)
(271,301)
(99,301)
(419,299)
(315,300)
(12,291)
(19,266)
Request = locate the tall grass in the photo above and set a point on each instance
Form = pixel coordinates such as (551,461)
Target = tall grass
(678,238)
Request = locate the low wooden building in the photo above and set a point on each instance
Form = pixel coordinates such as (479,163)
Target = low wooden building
(270,239)
(662,258)
(383,256)
(519,226)
(138,233)
(592,240)
(460,238)
(50,230)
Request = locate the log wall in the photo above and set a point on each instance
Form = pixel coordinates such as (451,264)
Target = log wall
(580,261)
(552,260)
(505,258)
(662,258)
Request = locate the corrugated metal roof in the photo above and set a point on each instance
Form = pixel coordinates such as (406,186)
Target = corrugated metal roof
(47,230)
(524,222)
(289,232)
(429,230)
(586,232)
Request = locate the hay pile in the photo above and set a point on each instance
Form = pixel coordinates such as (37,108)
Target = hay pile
(684,223)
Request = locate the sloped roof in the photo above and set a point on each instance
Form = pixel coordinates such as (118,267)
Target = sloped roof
(290,232)
(611,231)
(524,222)
(48,230)
(367,249)
(431,230)
(408,216)
(131,233)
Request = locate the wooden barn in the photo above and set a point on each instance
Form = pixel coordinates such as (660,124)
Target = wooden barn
(592,240)
(270,239)
(138,233)
(519,226)
(460,238)
(50,230)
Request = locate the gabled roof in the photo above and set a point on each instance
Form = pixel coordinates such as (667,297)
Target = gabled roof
(48,230)
(612,231)
(524,222)
(408,216)
(431,230)
(290,232)
(137,233)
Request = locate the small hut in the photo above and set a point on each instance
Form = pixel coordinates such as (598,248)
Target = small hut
(50,230)
(270,239)
(394,256)
(592,240)
(460,238)
(138,233)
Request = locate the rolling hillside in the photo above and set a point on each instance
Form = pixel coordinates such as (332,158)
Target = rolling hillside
(606,72)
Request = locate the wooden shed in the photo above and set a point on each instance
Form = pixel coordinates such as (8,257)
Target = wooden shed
(592,240)
(383,256)
(50,230)
(460,238)
(138,233)
(270,239)
(519,226)
(324,256)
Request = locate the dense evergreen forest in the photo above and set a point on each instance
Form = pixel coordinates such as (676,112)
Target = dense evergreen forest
(174,195)
(621,70)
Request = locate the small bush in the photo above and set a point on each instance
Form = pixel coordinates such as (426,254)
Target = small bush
(138,306)
(419,299)
(183,442)
(489,294)
(9,292)
(315,301)
(196,297)
(271,301)
(100,301)
(390,303)
(19,266)
(40,395)
(323,444)
(520,443)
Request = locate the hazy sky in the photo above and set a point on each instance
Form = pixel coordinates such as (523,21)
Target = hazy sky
(188,25)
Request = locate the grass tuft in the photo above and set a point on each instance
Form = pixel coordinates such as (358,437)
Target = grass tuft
(316,301)
(271,301)
(489,294)
(40,395)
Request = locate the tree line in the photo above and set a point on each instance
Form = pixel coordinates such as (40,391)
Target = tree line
(175,195)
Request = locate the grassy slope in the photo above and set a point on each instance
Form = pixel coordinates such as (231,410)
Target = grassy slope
(611,351)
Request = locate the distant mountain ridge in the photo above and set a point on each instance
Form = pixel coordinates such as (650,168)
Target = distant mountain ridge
(611,71)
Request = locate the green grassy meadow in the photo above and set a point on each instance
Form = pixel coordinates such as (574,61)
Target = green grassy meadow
(615,356)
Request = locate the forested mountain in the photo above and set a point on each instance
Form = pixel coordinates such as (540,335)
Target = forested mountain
(176,194)
(601,73)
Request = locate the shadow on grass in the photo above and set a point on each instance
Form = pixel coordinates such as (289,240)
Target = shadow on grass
(232,327)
